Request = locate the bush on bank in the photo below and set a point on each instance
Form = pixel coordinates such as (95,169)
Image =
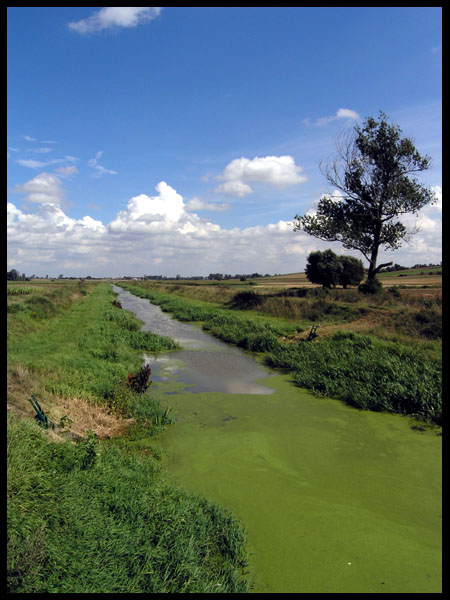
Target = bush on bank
(367,373)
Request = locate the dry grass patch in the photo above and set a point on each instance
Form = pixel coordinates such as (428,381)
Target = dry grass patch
(85,416)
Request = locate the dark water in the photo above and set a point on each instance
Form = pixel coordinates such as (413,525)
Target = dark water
(205,364)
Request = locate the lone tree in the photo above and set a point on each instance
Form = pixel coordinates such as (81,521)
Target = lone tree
(328,269)
(324,268)
(373,169)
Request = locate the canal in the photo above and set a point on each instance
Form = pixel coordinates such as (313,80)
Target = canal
(333,499)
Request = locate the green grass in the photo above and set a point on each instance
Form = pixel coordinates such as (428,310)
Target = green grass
(86,350)
(367,373)
(364,371)
(99,517)
(115,526)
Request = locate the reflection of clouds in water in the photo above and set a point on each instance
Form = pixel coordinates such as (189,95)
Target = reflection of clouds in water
(232,373)
(205,364)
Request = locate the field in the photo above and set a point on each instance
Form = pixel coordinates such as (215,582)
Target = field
(77,353)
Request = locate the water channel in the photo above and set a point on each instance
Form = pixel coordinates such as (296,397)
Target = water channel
(334,500)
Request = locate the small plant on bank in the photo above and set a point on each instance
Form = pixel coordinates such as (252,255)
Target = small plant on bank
(90,447)
(140,382)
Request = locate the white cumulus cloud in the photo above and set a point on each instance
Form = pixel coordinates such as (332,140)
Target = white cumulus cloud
(157,234)
(278,171)
(113,17)
(44,188)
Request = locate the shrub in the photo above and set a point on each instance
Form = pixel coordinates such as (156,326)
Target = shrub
(324,268)
(140,382)
(394,292)
(352,271)
(246,300)
(372,286)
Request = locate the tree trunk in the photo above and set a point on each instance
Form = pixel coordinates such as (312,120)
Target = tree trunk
(373,269)
(373,264)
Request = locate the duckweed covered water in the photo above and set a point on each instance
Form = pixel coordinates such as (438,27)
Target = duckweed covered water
(333,499)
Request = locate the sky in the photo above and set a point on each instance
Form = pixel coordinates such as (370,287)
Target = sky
(184,140)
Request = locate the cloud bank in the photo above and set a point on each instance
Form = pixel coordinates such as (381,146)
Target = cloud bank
(157,234)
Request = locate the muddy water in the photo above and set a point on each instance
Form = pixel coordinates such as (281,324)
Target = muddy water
(333,499)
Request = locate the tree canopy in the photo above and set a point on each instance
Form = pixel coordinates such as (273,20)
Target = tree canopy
(328,269)
(373,169)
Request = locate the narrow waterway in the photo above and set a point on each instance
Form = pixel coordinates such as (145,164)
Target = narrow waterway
(334,500)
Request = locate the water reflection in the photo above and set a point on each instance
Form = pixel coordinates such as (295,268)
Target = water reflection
(205,364)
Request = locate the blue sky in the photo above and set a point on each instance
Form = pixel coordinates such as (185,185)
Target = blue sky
(184,140)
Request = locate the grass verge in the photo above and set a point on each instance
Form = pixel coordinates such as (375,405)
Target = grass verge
(83,519)
(98,516)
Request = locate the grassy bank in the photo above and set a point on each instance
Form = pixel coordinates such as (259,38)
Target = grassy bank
(98,516)
(395,367)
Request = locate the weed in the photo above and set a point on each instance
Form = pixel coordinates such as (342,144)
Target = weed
(140,382)
(90,451)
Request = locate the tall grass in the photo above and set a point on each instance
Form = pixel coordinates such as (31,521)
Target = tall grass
(364,371)
(99,517)
(110,525)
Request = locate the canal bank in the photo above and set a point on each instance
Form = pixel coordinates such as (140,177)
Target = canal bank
(333,499)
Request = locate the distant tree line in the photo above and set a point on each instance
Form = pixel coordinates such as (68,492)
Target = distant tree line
(14,275)
(211,276)
(397,267)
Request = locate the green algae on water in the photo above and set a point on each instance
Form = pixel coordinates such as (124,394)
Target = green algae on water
(333,499)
